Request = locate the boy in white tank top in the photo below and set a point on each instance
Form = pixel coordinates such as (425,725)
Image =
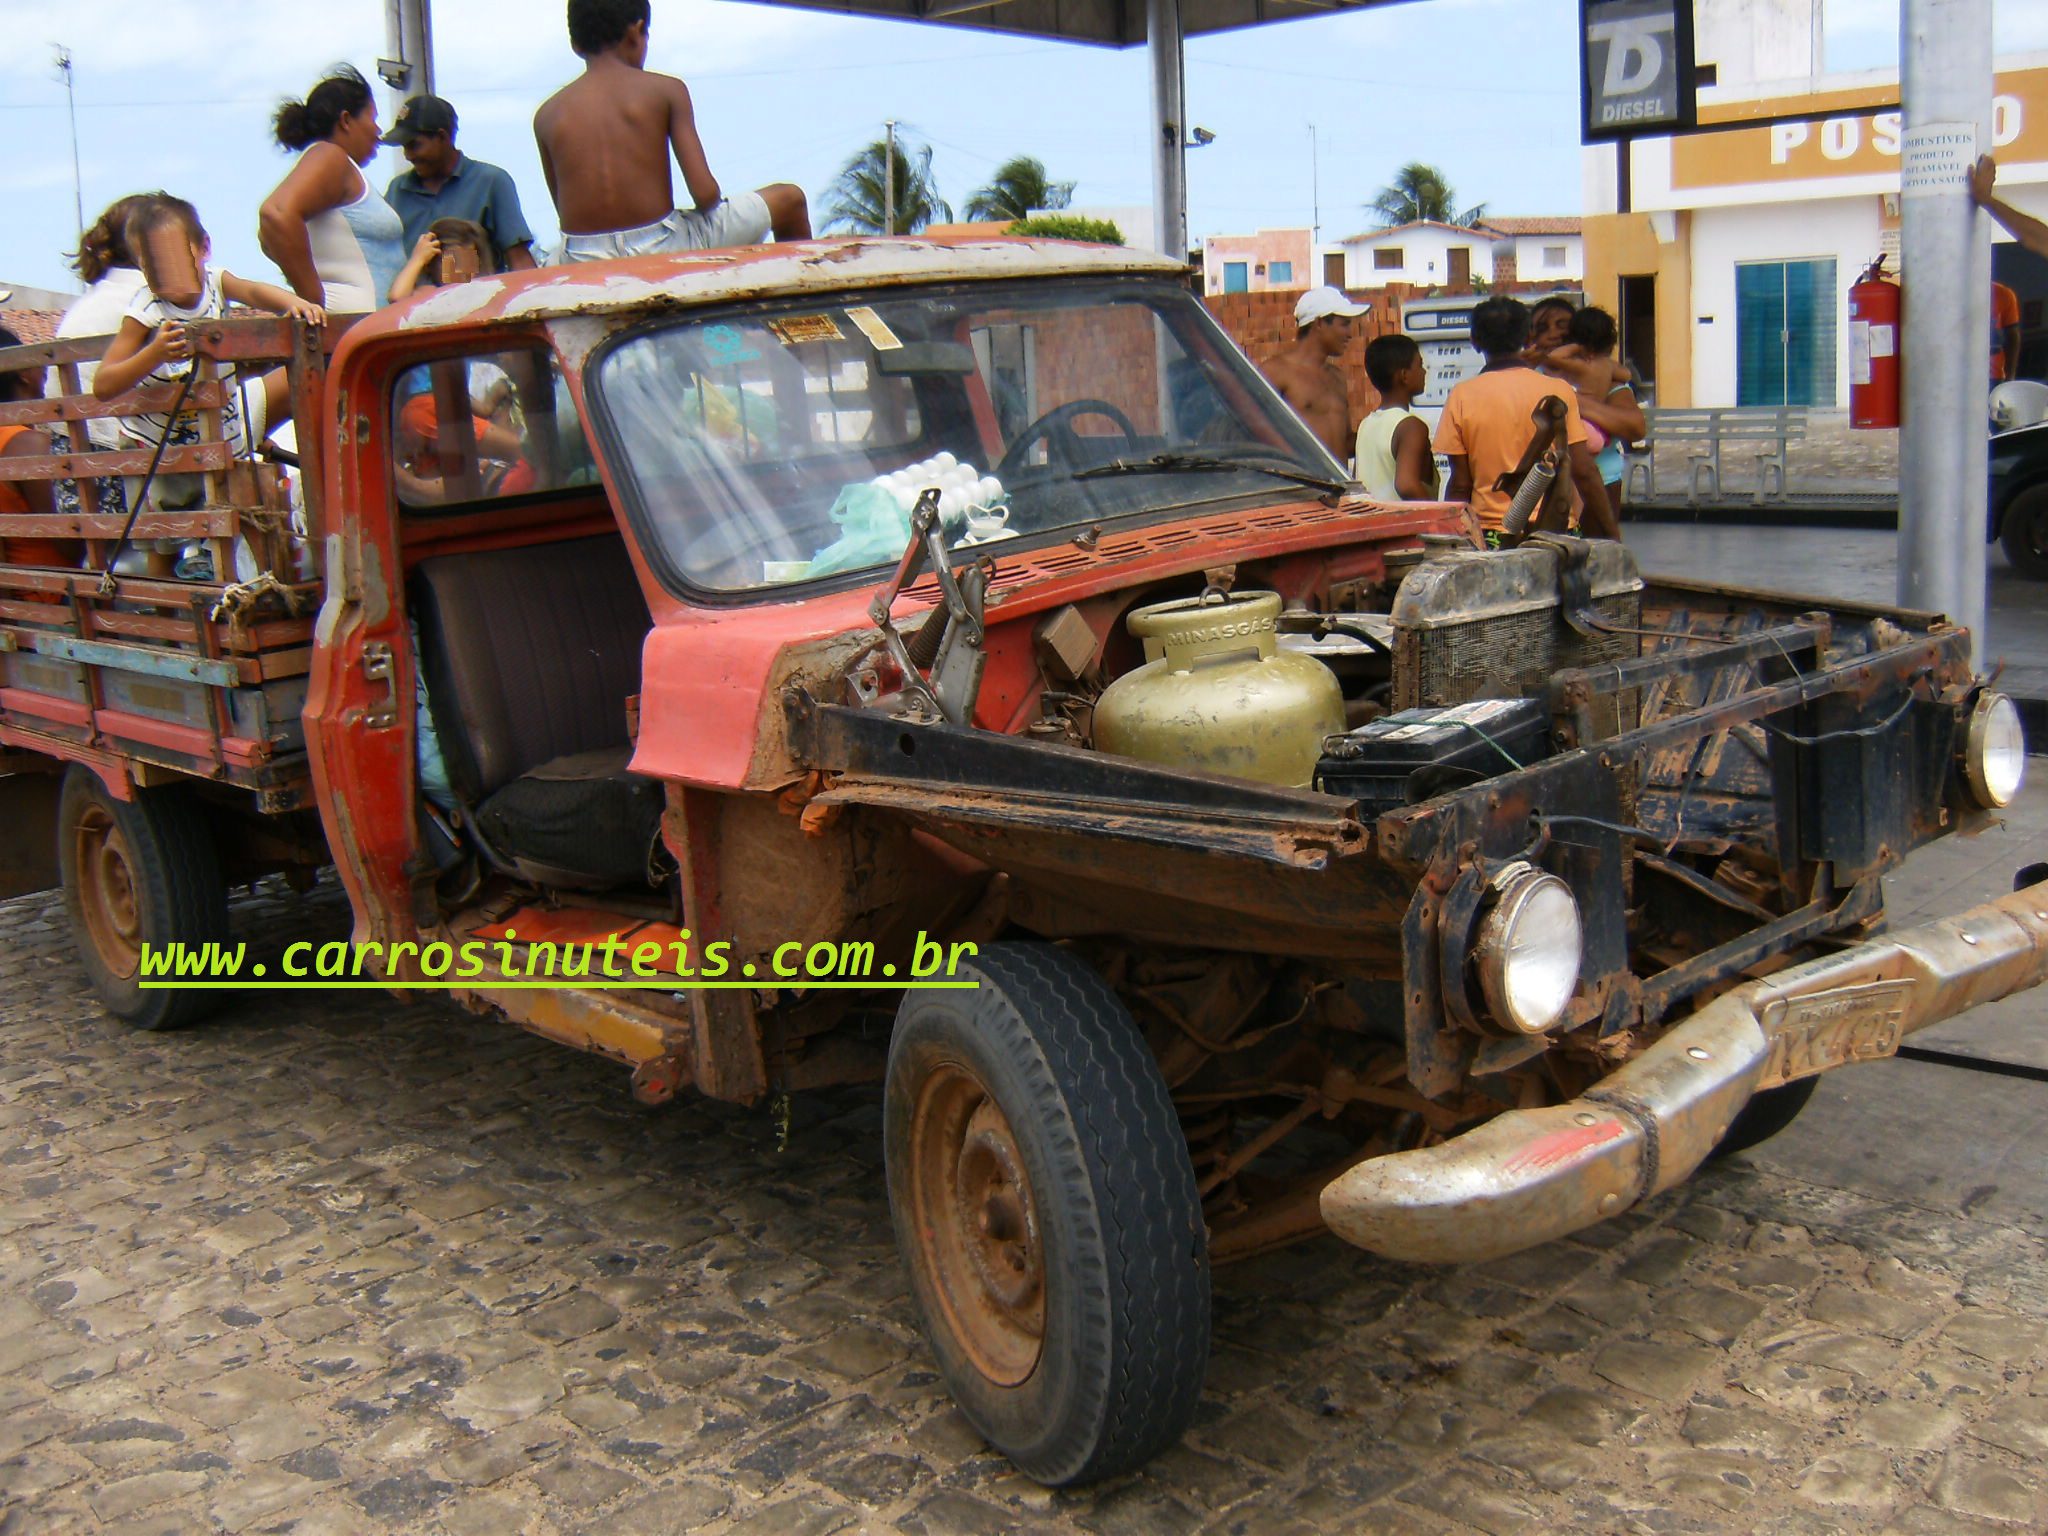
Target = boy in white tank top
(1394,461)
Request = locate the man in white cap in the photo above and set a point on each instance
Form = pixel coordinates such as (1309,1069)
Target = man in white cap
(1306,373)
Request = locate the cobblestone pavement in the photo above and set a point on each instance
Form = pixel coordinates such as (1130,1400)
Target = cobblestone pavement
(333,1263)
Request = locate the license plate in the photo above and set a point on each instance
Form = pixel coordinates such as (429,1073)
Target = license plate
(1833,1028)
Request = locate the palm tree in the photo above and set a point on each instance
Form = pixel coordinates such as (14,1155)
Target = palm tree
(856,200)
(1018,188)
(1419,191)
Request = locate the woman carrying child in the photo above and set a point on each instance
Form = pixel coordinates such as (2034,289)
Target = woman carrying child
(1606,389)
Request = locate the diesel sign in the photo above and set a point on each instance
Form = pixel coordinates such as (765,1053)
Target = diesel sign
(1635,68)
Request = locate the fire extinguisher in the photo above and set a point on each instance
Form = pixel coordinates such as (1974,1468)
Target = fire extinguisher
(1874,349)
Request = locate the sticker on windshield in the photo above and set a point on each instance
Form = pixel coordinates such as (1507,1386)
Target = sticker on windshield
(875,328)
(726,345)
(798,328)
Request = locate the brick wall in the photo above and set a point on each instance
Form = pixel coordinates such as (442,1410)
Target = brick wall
(1108,352)
(1263,323)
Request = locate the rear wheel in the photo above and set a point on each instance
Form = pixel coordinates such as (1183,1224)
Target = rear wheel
(136,873)
(1045,1206)
(2024,532)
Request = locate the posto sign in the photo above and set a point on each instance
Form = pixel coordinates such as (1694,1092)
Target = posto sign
(1635,68)
(1847,142)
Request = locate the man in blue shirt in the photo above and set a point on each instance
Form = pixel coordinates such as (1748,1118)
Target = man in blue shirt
(444,183)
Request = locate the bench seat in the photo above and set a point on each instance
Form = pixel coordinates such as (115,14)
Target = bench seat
(529,657)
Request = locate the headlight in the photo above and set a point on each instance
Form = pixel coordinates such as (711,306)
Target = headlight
(1994,751)
(1529,948)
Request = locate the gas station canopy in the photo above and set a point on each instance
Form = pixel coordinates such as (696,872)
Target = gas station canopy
(1115,23)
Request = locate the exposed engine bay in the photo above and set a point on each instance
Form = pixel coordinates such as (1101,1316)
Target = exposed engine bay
(1386,838)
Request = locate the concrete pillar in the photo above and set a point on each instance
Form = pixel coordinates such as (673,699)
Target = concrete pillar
(1945,249)
(1170,128)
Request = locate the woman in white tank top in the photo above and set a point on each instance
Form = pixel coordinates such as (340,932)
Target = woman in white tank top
(336,240)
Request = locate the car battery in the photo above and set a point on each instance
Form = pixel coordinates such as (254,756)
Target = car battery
(1408,757)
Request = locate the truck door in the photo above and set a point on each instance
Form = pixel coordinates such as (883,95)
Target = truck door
(447,455)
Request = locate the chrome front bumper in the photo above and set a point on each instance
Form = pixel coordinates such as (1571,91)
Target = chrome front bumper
(1531,1175)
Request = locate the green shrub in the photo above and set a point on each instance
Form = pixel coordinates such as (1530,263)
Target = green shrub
(1069,226)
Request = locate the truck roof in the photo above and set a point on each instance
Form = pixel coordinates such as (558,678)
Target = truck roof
(754,272)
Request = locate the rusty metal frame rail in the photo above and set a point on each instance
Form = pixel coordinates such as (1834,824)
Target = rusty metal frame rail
(1816,918)
(1410,834)
(1576,689)
(989,778)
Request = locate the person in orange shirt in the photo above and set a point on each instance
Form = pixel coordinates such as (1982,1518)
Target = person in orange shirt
(2005,333)
(30,496)
(1486,425)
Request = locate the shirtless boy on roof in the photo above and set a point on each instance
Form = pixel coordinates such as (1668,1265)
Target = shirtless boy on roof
(604,148)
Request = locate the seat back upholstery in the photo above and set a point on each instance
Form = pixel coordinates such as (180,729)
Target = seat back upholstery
(529,655)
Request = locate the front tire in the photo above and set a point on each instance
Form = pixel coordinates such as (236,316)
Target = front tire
(138,872)
(1045,1207)
(2023,531)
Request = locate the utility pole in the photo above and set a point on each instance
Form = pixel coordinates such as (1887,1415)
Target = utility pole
(409,35)
(1315,190)
(889,181)
(1945,85)
(71,99)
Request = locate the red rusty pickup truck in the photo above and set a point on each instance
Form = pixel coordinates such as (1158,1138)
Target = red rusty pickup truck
(800,616)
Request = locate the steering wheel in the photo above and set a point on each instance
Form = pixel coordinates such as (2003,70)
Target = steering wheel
(1061,440)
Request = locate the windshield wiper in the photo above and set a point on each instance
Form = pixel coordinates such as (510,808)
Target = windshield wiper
(1180,463)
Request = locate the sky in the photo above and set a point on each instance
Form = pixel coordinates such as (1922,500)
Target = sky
(178,94)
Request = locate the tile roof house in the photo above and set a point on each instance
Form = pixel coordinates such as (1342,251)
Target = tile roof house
(33,326)
(1569,224)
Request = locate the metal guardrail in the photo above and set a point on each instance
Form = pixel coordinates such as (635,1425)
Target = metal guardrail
(1711,427)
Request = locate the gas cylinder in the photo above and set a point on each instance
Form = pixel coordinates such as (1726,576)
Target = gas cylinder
(1874,311)
(1217,693)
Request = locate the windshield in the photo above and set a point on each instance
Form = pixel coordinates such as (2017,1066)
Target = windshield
(773,448)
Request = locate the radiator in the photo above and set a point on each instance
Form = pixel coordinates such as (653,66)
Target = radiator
(1485,625)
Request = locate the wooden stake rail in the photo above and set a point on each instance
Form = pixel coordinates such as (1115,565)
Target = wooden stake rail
(201,678)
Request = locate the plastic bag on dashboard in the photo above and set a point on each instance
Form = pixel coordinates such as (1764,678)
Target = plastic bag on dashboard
(873,529)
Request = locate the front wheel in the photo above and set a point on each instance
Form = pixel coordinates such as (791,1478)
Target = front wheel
(1045,1206)
(141,872)
(2024,533)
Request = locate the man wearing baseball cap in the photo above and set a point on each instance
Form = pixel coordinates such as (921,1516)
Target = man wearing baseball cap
(444,183)
(1305,372)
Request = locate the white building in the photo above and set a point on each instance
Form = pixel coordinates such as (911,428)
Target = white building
(1422,252)
(1731,275)
(1427,254)
(1133,219)
(1539,250)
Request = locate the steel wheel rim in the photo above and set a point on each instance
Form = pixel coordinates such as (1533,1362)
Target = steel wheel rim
(977,1224)
(106,890)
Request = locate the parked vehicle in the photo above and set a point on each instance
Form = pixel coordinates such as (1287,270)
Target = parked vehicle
(1322,871)
(2019,474)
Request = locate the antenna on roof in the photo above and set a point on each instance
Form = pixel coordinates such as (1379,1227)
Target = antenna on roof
(71,98)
